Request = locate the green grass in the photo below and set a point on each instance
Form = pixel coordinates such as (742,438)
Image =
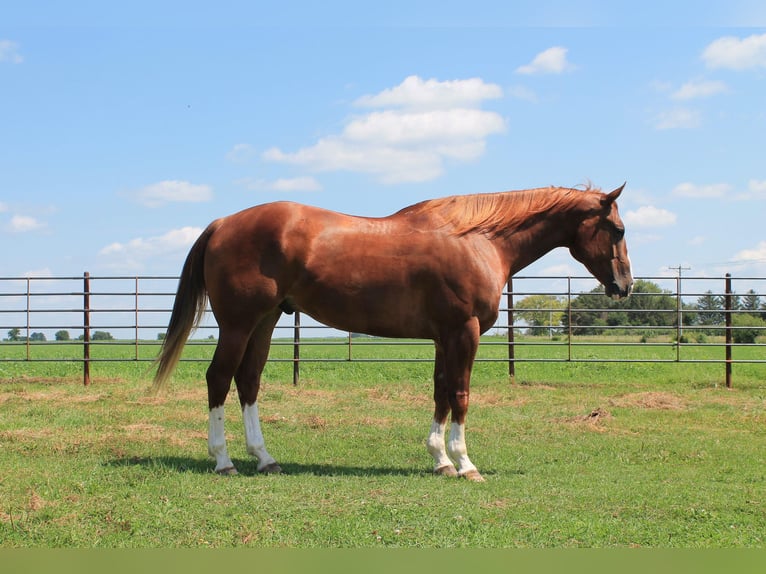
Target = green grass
(575,455)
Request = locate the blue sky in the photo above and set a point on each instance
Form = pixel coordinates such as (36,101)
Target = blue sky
(126,128)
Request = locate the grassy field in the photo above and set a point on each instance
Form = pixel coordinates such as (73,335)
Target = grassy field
(575,455)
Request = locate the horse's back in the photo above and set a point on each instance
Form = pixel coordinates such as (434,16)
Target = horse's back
(384,276)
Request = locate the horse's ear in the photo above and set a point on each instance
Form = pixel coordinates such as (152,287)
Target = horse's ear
(609,198)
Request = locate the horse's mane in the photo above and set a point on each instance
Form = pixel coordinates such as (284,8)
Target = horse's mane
(496,214)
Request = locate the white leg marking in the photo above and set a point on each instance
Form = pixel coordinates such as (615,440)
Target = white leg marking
(216,440)
(435,445)
(457,449)
(256,446)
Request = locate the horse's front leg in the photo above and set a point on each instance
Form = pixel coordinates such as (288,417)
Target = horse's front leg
(458,350)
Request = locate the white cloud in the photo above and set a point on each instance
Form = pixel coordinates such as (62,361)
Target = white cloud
(414,92)
(715,190)
(643,238)
(389,164)
(430,122)
(699,89)
(446,127)
(159,194)
(697,240)
(735,53)
(9,52)
(241,153)
(135,253)
(757,188)
(551,61)
(755,255)
(522,93)
(24,223)
(283,184)
(678,118)
(560,270)
(650,216)
(296,184)
(44,272)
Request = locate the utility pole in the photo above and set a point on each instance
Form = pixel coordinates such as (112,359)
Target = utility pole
(679,269)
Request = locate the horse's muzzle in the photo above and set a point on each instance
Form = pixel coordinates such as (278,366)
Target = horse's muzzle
(616,291)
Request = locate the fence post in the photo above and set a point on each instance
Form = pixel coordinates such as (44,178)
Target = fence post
(727,307)
(679,329)
(296,347)
(569,318)
(29,318)
(86,329)
(511,347)
(136,317)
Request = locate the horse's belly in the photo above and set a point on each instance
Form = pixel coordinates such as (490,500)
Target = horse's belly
(379,315)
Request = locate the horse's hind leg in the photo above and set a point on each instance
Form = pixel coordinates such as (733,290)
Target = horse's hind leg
(228,354)
(436,443)
(248,379)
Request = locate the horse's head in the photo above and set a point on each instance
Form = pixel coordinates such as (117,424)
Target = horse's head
(600,245)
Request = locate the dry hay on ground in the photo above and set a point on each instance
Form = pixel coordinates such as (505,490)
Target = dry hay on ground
(649,400)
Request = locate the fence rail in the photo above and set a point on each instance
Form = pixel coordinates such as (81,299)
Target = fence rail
(133,311)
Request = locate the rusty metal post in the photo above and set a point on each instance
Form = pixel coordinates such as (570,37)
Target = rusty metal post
(86,329)
(136,317)
(29,319)
(569,318)
(511,340)
(296,347)
(727,308)
(679,328)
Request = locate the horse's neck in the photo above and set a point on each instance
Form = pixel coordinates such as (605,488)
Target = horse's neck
(527,245)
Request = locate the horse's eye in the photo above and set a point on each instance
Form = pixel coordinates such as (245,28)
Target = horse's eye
(619,232)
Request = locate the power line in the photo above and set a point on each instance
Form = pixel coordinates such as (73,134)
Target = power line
(678,269)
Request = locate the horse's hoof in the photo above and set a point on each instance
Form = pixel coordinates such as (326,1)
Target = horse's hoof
(228,471)
(272,468)
(446,470)
(472,475)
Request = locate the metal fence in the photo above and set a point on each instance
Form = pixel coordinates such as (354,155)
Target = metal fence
(83,313)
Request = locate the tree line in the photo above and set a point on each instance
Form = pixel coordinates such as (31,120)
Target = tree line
(15,336)
(646,312)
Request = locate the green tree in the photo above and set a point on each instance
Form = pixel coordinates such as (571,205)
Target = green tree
(746,328)
(101,336)
(62,335)
(710,311)
(751,302)
(14,334)
(650,306)
(38,337)
(540,312)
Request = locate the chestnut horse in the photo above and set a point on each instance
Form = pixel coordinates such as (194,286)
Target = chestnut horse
(435,270)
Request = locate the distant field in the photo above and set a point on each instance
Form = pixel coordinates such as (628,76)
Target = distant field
(117,359)
(575,454)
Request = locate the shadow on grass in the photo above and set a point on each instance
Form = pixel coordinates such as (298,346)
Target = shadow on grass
(247,467)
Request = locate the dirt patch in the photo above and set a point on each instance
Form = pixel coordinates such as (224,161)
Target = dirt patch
(316,422)
(26,435)
(51,396)
(592,420)
(145,430)
(393,395)
(649,400)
